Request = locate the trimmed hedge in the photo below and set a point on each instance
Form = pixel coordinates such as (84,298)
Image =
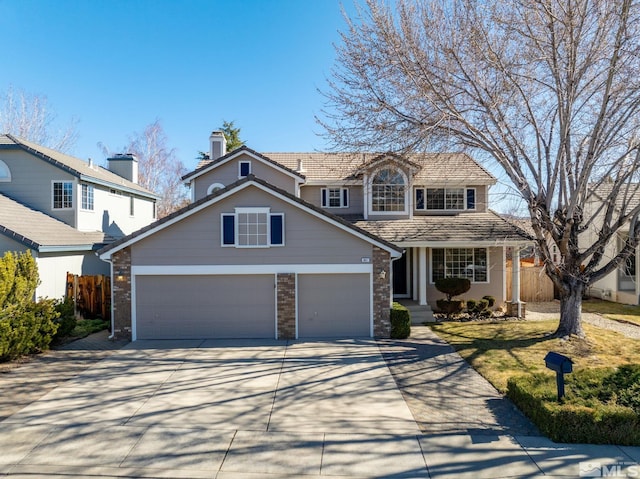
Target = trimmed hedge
(453,286)
(593,411)
(400,322)
(454,306)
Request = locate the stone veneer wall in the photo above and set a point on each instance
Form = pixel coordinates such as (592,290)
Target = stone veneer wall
(286,284)
(121,289)
(381,293)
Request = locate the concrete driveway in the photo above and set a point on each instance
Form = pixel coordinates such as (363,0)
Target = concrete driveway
(223,409)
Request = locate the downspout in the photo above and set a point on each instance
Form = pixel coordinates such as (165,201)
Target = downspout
(111,336)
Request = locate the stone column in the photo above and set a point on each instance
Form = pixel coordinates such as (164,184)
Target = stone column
(121,289)
(381,293)
(286,294)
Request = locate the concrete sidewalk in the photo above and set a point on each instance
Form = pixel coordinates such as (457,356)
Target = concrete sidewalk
(242,409)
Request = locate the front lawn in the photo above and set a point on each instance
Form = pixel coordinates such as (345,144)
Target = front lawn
(501,349)
(601,404)
(614,311)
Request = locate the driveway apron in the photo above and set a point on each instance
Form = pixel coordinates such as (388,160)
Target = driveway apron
(221,409)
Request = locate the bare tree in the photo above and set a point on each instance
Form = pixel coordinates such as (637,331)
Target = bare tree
(547,89)
(159,169)
(29,117)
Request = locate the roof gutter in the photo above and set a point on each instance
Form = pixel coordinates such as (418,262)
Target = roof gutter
(128,189)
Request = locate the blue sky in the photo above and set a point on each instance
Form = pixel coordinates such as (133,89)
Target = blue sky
(117,65)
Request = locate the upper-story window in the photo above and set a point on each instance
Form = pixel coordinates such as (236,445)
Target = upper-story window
(87,197)
(388,191)
(335,197)
(214,187)
(244,169)
(5,174)
(62,195)
(445,199)
(252,228)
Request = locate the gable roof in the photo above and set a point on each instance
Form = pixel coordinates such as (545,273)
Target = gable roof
(462,229)
(41,232)
(431,168)
(75,166)
(239,185)
(207,165)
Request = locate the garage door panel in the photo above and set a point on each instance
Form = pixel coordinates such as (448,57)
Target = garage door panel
(193,307)
(334,305)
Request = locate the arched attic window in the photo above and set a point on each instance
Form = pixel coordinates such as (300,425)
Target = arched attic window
(5,174)
(214,187)
(388,191)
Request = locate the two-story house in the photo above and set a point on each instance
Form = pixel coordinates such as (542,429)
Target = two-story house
(299,245)
(63,209)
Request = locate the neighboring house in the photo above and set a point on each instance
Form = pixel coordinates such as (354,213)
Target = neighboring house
(623,284)
(63,209)
(299,245)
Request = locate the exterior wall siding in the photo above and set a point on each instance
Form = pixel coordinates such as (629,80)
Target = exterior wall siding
(227,174)
(31,183)
(493,288)
(197,240)
(7,244)
(312,194)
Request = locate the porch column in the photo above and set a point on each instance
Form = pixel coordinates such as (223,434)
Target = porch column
(516,305)
(414,274)
(422,275)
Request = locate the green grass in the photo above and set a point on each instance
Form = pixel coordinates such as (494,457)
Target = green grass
(502,349)
(615,311)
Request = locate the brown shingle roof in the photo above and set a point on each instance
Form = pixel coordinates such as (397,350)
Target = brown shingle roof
(434,168)
(463,227)
(73,165)
(36,229)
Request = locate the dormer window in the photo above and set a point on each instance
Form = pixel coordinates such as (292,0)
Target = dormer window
(388,191)
(244,169)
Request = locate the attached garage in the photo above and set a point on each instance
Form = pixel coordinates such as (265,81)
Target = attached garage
(205,306)
(334,305)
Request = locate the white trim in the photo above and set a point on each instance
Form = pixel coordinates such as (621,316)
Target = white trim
(134,318)
(504,273)
(240,175)
(459,244)
(393,252)
(488,253)
(113,319)
(5,179)
(324,192)
(371,293)
(407,193)
(214,186)
(74,194)
(275,303)
(243,269)
(297,298)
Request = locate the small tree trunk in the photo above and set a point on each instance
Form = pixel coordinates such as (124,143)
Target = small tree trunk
(571,311)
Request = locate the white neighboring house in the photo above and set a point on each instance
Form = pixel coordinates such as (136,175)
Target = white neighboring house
(623,284)
(63,209)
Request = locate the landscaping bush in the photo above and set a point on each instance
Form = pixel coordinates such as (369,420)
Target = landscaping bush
(400,322)
(25,326)
(600,406)
(491,300)
(450,307)
(67,320)
(453,286)
(478,307)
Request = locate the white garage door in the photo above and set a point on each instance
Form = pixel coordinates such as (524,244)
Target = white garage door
(334,305)
(194,307)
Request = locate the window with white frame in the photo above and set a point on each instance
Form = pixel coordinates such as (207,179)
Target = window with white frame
(62,195)
(5,173)
(252,228)
(87,197)
(244,169)
(471,263)
(335,197)
(214,187)
(388,191)
(445,199)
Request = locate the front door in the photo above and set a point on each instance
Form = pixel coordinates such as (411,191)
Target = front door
(400,275)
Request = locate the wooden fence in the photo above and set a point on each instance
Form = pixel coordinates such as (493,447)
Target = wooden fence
(91,294)
(535,285)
